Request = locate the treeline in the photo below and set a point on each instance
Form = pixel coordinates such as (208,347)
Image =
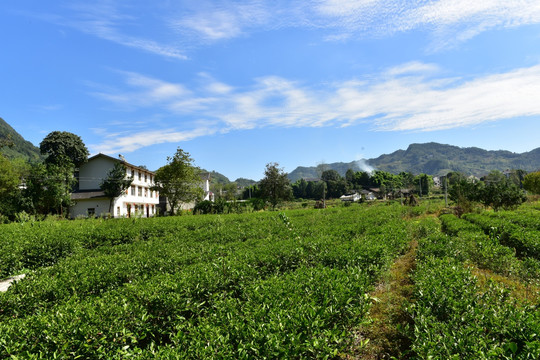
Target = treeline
(331,185)
(40,187)
(497,189)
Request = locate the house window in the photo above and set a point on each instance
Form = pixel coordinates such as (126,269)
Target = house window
(145,178)
(145,192)
(118,211)
(139,191)
(139,176)
(91,211)
(132,190)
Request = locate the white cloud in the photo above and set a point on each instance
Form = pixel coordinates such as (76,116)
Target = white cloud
(104,19)
(212,22)
(134,141)
(177,27)
(404,98)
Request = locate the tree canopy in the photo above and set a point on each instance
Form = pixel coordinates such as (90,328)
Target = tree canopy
(179,180)
(275,185)
(531,182)
(62,146)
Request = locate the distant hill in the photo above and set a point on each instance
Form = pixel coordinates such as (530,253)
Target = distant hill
(21,148)
(243,182)
(435,159)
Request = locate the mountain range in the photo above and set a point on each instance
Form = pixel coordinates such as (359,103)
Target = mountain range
(428,158)
(434,159)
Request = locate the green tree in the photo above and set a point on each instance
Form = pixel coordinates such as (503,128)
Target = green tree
(115,183)
(9,178)
(531,182)
(299,189)
(9,187)
(502,194)
(179,180)
(62,147)
(362,179)
(65,151)
(424,184)
(48,189)
(275,185)
(464,193)
(330,175)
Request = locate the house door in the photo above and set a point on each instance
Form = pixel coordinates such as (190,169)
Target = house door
(147,210)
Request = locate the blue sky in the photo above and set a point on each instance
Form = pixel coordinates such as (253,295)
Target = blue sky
(239,84)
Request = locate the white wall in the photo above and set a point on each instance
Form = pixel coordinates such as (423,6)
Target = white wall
(100,206)
(92,173)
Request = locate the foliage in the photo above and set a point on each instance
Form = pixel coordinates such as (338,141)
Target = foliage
(424,183)
(10,179)
(17,147)
(275,185)
(116,182)
(179,180)
(62,148)
(502,194)
(197,287)
(48,189)
(498,192)
(531,182)
(464,311)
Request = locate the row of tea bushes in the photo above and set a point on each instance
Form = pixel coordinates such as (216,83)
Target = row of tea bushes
(262,285)
(513,233)
(459,314)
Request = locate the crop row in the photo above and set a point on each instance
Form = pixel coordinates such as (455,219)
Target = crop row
(526,217)
(251,286)
(525,240)
(461,314)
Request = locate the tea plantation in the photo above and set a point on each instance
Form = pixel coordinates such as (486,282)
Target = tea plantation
(299,284)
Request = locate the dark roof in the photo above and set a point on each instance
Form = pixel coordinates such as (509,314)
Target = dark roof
(85,195)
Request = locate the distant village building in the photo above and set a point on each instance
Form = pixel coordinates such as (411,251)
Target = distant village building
(350,197)
(90,200)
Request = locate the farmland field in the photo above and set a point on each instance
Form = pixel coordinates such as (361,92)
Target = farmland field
(298,284)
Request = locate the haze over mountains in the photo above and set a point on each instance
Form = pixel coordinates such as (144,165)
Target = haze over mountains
(429,158)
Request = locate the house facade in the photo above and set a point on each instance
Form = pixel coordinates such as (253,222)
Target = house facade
(90,200)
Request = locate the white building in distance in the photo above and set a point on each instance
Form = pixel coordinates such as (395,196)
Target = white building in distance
(90,200)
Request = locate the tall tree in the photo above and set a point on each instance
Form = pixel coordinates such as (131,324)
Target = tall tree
(179,180)
(275,185)
(48,188)
(9,181)
(62,147)
(115,183)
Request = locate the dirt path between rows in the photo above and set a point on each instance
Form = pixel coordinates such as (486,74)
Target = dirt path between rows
(384,337)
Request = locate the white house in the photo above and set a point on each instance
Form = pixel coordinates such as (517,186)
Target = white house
(90,200)
(350,197)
